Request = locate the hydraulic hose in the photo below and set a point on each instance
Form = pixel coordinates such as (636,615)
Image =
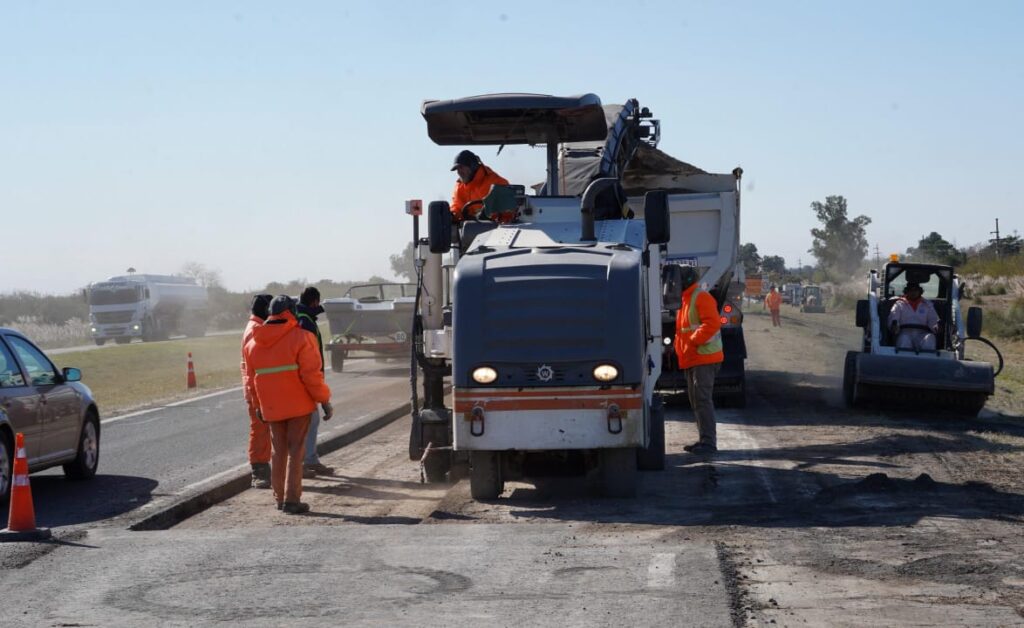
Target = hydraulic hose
(994,348)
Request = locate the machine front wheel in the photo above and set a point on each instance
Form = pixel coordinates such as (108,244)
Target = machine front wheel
(485,480)
(850,379)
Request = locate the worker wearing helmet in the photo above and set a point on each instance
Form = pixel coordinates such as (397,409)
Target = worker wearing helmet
(282,365)
(259,432)
(698,345)
(475,181)
(773,301)
(913,320)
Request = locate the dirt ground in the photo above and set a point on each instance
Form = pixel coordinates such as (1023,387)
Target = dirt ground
(821,515)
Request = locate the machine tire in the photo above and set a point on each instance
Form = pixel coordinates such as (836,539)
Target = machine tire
(6,465)
(849,378)
(122,340)
(485,480)
(87,459)
(618,471)
(100,341)
(652,457)
(337,360)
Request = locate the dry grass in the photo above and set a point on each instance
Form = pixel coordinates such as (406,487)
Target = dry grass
(49,336)
(134,376)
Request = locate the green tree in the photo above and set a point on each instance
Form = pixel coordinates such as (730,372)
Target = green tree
(750,259)
(774,265)
(840,244)
(404,264)
(934,248)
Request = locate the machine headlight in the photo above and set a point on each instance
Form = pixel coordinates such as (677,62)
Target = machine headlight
(484,375)
(135,327)
(666,341)
(605,372)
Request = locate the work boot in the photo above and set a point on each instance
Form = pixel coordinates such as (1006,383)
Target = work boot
(260,475)
(703,449)
(295,508)
(316,469)
(690,447)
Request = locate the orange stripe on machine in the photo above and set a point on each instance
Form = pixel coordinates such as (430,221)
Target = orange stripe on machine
(498,400)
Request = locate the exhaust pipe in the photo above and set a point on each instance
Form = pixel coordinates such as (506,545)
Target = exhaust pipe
(587,206)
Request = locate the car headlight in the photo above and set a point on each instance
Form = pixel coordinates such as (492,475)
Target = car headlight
(605,372)
(484,375)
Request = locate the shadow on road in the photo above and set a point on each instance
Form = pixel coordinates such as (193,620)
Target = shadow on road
(62,502)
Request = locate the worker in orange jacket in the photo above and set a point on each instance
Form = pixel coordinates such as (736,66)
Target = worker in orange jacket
(282,364)
(698,345)
(259,432)
(773,301)
(475,181)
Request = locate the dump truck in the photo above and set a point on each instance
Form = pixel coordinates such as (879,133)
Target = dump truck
(549,325)
(942,379)
(371,318)
(149,307)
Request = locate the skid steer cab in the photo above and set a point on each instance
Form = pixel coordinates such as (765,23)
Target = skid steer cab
(545,321)
(915,365)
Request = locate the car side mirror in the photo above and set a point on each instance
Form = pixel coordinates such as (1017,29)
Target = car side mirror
(974,322)
(656,216)
(863,313)
(72,374)
(671,287)
(439,226)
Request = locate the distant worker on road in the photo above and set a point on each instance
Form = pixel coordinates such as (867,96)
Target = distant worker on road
(773,301)
(259,432)
(698,346)
(285,380)
(475,181)
(308,309)
(913,320)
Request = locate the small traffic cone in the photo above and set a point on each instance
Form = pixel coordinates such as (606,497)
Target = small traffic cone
(190,379)
(21,524)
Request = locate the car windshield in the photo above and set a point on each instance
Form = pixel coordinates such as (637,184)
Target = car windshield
(113,295)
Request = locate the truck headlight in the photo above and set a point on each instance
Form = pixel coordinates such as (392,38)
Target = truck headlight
(135,327)
(92,329)
(605,372)
(484,375)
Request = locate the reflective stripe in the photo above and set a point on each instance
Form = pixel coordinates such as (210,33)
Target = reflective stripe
(714,343)
(20,480)
(277,369)
(20,453)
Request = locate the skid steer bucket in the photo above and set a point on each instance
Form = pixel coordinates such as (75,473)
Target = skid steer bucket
(923,381)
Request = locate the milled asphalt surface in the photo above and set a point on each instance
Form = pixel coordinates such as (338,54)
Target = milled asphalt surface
(538,575)
(161,453)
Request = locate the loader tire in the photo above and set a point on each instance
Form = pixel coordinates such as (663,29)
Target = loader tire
(850,379)
(485,480)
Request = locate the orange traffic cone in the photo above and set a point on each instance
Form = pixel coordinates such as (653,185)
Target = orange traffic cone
(21,524)
(190,379)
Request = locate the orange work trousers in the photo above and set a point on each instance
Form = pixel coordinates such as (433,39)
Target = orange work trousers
(259,439)
(289,439)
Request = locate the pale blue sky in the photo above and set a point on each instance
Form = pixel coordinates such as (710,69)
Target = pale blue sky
(274,141)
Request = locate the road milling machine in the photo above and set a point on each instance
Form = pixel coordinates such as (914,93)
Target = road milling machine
(942,380)
(547,321)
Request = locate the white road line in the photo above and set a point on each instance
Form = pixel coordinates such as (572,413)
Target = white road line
(736,432)
(169,405)
(661,572)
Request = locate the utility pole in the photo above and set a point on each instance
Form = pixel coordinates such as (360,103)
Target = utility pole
(878,259)
(996,240)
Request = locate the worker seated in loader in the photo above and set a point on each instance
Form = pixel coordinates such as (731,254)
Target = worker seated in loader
(914,321)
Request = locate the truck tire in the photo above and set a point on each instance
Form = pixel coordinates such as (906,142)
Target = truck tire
(100,341)
(485,475)
(337,360)
(652,457)
(618,471)
(122,340)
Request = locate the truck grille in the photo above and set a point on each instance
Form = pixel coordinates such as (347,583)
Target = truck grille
(106,318)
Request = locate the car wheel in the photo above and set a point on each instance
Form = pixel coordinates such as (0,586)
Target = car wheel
(88,457)
(6,465)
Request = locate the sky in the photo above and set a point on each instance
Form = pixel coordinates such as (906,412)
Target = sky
(272,141)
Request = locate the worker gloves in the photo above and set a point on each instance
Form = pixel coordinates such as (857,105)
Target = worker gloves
(328,410)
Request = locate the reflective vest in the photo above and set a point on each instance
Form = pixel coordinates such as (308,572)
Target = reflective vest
(714,344)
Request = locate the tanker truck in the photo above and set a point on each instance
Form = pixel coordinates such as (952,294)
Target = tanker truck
(150,307)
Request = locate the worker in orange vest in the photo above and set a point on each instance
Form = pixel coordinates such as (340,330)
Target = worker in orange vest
(475,181)
(259,432)
(282,364)
(773,301)
(698,345)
